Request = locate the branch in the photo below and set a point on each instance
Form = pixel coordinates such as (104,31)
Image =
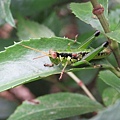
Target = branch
(81,84)
(98,10)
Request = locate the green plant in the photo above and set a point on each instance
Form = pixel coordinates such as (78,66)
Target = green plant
(18,67)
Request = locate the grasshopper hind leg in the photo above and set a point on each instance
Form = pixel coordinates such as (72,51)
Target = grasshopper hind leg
(51,65)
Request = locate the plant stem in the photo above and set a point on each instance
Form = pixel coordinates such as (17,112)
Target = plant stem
(114,45)
(112,69)
(81,84)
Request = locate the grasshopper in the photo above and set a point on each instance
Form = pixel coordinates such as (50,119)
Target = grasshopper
(80,56)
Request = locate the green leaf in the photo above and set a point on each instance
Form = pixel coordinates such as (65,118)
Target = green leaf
(110,96)
(111,79)
(56,106)
(17,65)
(84,12)
(5,43)
(111,113)
(114,19)
(101,86)
(5,12)
(54,23)
(29,29)
(114,35)
(2,21)
(104,3)
(7,107)
(31,7)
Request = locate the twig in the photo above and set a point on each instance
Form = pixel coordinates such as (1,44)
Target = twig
(98,10)
(81,84)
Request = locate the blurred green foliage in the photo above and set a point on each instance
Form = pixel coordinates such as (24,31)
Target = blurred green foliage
(46,18)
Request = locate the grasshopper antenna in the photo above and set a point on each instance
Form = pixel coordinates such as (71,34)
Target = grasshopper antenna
(39,57)
(45,54)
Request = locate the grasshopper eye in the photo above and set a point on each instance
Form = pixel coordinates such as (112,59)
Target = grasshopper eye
(105,44)
(97,33)
(53,54)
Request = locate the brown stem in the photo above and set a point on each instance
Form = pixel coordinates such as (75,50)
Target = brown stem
(81,84)
(98,10)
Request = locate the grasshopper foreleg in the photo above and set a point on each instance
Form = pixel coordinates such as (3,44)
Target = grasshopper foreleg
(61,74)
(48,65)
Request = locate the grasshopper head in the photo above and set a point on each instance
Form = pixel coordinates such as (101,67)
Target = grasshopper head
(53,54)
